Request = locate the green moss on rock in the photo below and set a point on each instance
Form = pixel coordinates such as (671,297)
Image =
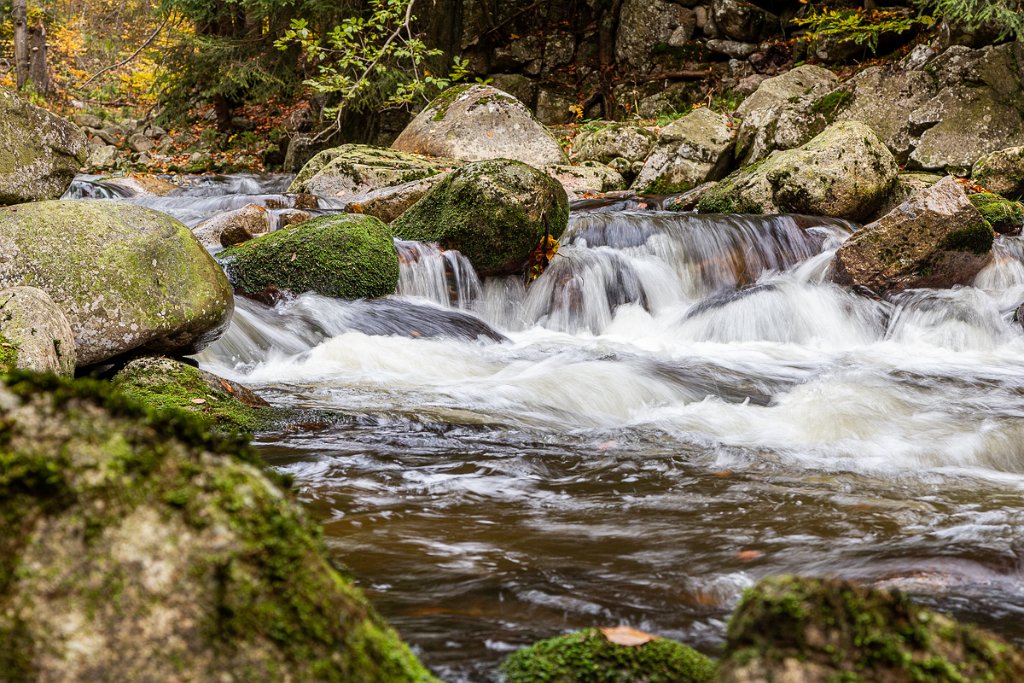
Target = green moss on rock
(822,629)
(168,550)
(344,256)
(587,656)
(166,384)
(8,354)
(1004,216)
(492,211)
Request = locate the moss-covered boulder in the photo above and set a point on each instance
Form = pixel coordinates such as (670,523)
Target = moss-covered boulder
(934,239)
(165,384)
(473,122)
(821,630)
(1005,217)
(844,172)
(127,278)
(494,212)
(1001,172)
(136,547)
(40,153)
(345,256)
(589,656)
(356,169)
(690,151)
(34,334)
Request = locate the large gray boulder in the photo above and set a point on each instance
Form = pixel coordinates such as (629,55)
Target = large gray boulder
(137,547)
(844,172)
(882,97)
(36,335)
(1001,172)
(494,212)
(784,112)
(349,170)
(947,112)
(127,278)
(479,122)
(690,151)
(40,153)
(934,239)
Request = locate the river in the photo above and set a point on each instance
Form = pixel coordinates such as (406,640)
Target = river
(679,406)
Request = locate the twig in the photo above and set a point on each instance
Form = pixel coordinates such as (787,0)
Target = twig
(132,56)
(679,74)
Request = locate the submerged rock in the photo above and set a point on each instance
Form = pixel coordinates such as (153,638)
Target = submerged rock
(137,547)
(819,630)
(844,172)
(480,122)
(592,656)
(40,153)
(357,169)
(1001,172)
(140,184)
(34,334)
(934,239)
(167,384)
(345,256)
(493,212)
(233,227)
(127,278)
(690,151)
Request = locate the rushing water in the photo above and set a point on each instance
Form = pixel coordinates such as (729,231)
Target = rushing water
(679,406)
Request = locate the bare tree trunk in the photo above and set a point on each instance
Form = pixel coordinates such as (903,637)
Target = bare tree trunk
(39,68)
(19,12)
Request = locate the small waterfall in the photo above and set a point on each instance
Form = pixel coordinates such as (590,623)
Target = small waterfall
(91,187)
(444,277)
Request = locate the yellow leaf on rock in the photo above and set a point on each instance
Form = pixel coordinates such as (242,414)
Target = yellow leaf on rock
(624,635)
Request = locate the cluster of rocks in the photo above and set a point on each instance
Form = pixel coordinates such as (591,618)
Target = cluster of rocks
(121,142)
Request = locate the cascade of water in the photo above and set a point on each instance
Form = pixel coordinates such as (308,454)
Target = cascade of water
(444,277)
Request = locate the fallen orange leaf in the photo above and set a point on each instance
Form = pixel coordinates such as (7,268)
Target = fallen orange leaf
(624,635)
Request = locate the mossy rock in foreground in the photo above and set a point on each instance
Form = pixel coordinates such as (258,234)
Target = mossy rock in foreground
(493,212)
(344,256)
(823,630)
(136,546)
(587,656)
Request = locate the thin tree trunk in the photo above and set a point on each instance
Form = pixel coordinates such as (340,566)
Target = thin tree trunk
(19,12)
(39,68)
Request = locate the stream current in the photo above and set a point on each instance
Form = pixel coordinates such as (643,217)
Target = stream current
(679,406)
